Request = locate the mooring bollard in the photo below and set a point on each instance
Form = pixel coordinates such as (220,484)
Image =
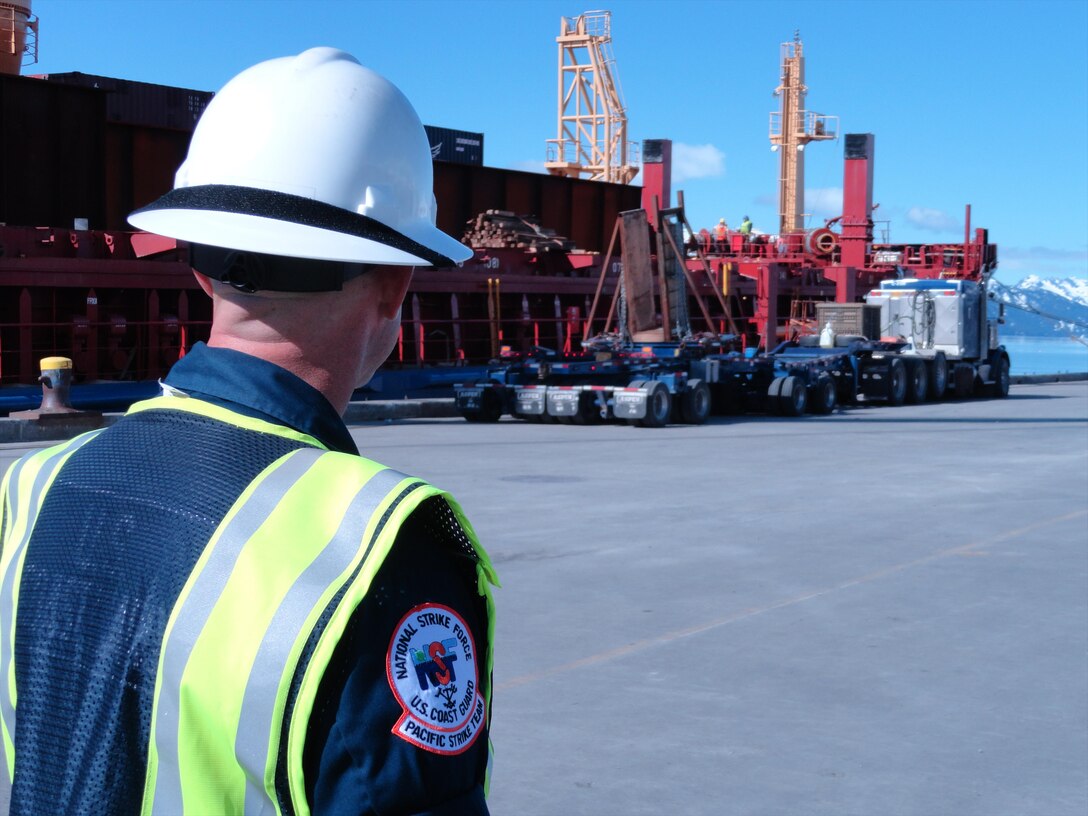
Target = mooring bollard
(56,408)
(56,380)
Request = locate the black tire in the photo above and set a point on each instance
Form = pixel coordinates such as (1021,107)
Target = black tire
(492,407)
(658,406)
(695,403)
(822,396)
(1000,386)
(917,382)
(846,340)
(773,391)
(897,381)
(937,374)
(793,397)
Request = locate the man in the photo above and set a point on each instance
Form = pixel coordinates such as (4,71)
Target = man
(720,232)
(746,226)
(216,605)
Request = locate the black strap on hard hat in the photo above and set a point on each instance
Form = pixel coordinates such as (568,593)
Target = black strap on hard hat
(255,271)
(293,209)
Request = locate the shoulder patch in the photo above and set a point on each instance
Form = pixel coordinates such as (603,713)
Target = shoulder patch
(432,671)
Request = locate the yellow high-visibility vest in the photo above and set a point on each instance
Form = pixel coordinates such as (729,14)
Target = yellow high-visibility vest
(252,615)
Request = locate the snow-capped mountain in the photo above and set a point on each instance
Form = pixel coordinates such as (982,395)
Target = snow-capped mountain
(1044,307)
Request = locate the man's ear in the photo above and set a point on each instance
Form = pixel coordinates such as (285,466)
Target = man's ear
(204,282)
(391,284)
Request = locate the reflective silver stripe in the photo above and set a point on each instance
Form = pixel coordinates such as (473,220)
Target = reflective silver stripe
(193,615)
(253,744)
(7,588)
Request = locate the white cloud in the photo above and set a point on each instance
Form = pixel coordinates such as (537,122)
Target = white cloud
(696,161)
(530,166)
(1044,261)
(825,202)
(1036,253)
(933,220)
(820,202)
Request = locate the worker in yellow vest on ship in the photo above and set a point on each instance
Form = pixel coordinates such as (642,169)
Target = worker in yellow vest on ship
(746,226)
(216,605)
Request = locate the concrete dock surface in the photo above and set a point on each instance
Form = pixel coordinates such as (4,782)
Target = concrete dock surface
(880,612)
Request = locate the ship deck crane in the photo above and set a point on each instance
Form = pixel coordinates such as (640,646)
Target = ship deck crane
(592,129)
(792,128)
(18,36)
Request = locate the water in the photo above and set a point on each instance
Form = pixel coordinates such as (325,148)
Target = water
(1046,355)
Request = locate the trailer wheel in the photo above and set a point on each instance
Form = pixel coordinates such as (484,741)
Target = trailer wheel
(773,391)
(1000,386)
(822,396)
(937,371)
(490,407)
(897,381)
(658,406)
(916,380)
(793,397)
(695,403)
(847,340)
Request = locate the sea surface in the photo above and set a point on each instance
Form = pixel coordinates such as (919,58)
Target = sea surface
(1046,355)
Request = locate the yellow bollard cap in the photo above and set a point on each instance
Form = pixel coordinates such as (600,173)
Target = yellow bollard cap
(53,363)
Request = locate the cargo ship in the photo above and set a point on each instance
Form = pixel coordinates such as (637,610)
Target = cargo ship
(78,152)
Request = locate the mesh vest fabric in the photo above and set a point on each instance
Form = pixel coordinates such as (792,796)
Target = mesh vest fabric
(107,562)
(116,539)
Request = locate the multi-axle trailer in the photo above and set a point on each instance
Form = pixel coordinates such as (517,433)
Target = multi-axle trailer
(931,338)
(796,378)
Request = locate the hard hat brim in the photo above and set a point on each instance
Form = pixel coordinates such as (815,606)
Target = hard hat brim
(276,223)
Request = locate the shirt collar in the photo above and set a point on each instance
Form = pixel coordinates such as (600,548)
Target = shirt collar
(258,388)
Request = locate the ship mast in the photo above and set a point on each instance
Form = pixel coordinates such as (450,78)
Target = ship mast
(592,132)
(793,127)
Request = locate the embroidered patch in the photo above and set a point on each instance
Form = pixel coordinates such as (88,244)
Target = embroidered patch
(431,667)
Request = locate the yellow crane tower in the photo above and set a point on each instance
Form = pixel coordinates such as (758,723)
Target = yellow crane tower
(793,127)
(18,36)
(592,133)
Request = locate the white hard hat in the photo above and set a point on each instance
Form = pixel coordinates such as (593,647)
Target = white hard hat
(311,156)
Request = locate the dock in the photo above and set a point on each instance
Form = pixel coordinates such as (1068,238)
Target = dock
(879,612)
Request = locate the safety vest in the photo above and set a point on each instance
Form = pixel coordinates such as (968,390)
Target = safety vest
(230,656)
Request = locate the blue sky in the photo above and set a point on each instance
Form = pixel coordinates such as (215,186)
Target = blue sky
(972,102)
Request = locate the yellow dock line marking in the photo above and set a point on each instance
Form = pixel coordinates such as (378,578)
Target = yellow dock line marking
(669,637)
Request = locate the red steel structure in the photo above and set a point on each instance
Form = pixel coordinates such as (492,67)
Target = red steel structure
(78,153)
(767,277)
(124,305)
